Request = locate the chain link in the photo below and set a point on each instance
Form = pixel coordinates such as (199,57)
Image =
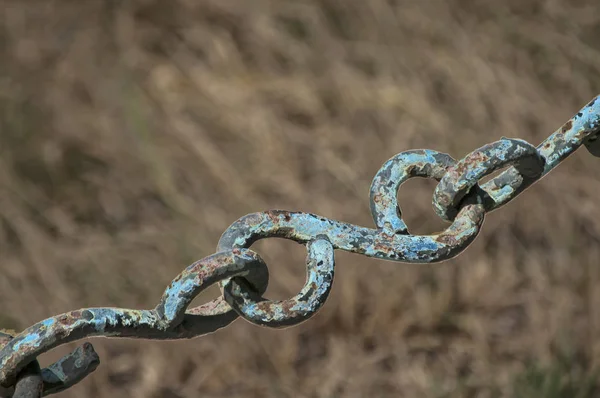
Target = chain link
(243,276)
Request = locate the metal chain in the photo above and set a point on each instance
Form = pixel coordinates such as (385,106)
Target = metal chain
(243,276)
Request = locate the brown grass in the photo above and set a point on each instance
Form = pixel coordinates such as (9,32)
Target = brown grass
(133,133)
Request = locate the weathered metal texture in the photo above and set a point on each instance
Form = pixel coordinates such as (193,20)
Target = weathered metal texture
(29,382)
(202,274)
(169,320)
(68,371)
(243,275)
(304,227)
(69,327)
(395,172)
(463,176)
(581,129)
(390,241)
(278,314)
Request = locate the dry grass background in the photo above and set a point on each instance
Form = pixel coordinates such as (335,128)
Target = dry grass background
(133,133)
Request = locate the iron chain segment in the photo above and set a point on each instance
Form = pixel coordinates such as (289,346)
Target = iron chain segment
(243,276)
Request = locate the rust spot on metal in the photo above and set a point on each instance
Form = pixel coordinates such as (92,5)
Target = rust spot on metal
(266,307)
(275,214)
(447,239)
(382,248)
(566,127)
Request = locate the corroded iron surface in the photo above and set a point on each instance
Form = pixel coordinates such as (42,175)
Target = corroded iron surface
(243,275)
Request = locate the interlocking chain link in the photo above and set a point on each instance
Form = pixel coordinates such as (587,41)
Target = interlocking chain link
(243,276)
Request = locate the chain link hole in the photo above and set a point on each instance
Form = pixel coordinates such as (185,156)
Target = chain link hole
(414,199)
(204,297)
(286,260)
(493,175)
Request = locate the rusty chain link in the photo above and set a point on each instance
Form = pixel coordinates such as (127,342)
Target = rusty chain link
(243,276)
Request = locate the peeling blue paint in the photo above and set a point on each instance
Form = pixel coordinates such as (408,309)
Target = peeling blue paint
(319,280)
(462,177)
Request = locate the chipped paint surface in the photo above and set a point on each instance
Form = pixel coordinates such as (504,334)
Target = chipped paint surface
(169,320)
(70,369)
(243,275)
(396,171)
(463,176)
(204,273)
(304,227)
(581,129)
(319,280)
(68,327)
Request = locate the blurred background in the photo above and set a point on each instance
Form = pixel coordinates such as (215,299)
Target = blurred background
(133,133)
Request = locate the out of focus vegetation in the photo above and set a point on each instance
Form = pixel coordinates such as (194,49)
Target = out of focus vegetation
(133,133)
